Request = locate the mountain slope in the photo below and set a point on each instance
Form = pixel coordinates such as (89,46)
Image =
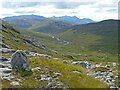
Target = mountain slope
(101,36)
(49,25)
(16,40)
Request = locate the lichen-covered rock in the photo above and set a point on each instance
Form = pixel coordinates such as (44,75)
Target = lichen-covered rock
(19,60)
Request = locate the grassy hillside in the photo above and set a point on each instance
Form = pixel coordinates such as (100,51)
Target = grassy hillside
(49,26)
(17,40)
(85,41)
(101,36)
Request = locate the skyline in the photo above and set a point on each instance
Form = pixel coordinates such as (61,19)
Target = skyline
(94,9)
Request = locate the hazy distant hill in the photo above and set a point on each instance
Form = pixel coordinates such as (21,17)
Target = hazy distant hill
(24,21)
(73,19)
(27,21)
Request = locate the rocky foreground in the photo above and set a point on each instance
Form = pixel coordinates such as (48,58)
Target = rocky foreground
(20,60)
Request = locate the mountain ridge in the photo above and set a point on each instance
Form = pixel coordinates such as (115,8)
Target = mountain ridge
(27,21)
(73,19)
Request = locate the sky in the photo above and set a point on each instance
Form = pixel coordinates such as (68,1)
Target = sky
(94,9)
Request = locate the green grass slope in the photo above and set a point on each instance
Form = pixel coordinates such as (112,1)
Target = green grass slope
(49,26)
(101,36)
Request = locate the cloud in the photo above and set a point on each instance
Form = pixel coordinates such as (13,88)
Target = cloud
(18,4)
(22,12)
(69,5)
(94,9)
(112,10)
(59,5)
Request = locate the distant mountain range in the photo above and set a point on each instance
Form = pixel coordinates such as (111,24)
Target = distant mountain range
(73,19)
(27,21)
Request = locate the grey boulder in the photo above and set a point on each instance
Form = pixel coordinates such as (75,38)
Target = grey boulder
(19,60)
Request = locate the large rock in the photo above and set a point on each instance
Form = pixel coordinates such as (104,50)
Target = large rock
(19,60)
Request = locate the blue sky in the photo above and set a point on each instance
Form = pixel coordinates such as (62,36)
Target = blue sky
(94,9)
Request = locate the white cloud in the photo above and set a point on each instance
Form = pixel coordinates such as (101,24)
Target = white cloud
(94,9)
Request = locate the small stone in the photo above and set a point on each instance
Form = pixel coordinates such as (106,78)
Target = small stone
(75,62)
(58,74)
(83,64)
(77,72)
(3,59)
(112,87)
(7,70)
(107,66)
(15,83)
(45,77)
(114,64)
(36,68)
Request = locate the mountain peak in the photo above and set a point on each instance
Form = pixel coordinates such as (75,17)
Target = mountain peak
(73,19)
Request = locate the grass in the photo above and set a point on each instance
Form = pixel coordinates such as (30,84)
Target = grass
(69,78)
(93,38)
(24,72)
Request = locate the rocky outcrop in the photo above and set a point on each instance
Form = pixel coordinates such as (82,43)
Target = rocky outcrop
(7,50)
(51,79)
(33,54)
(37,44)
(101,72)
(19,60)
(5,70)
